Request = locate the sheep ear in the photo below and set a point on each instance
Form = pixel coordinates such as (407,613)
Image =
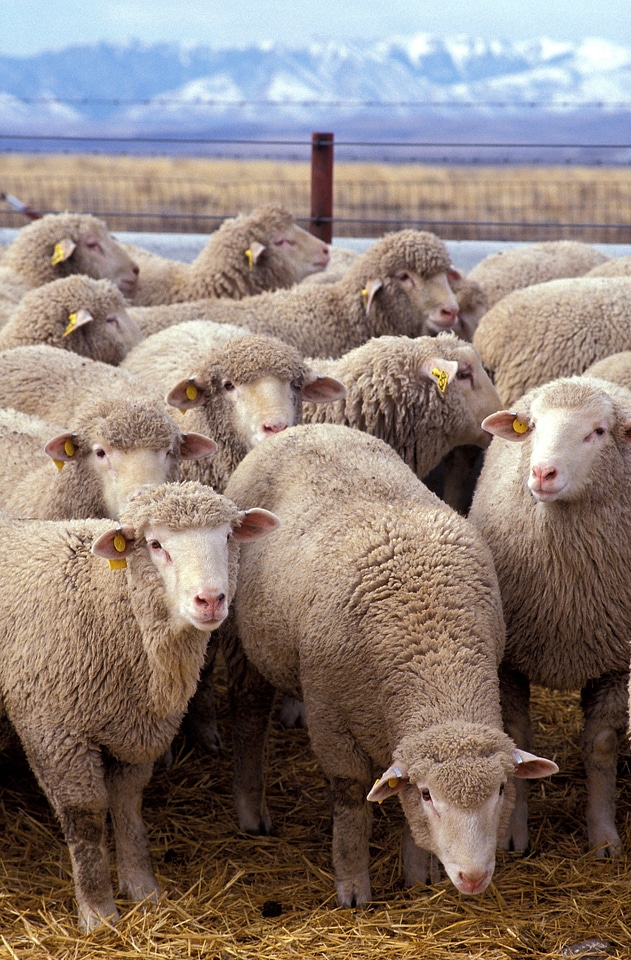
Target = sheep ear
(78,319)
(62,449)
(186,394)
(369,291)
(318,389)
(440,371)
(453,275)
(194,446)
(508,425)
(62,250)
(253,253)
(530,767)
(389,784)
(115,545)
(254,523)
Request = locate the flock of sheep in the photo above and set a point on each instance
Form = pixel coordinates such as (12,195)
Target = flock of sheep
(249,441)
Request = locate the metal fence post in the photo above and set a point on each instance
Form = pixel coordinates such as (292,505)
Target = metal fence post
(321,224)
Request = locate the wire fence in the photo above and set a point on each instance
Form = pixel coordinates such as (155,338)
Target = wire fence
(501,205)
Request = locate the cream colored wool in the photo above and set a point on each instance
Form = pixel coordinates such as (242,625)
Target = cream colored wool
(36,257)
(264,250)
(614,267)
(532,263)
(553,329)
(616,367)
(394,287)
(44,315)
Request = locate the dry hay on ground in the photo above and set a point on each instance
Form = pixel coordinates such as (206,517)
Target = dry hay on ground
(231,896)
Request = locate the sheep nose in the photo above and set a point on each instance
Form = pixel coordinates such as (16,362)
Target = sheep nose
(472,882)
(212,606)
(544,474)
(274,427)
(448,316)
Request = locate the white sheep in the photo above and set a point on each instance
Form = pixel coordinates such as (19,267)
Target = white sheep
(614,267)
(265,250)
(380,606)
(555,508)
(116,446)
(53,384)
(532,263)
(398,286)
(113,656)
(240,394)
(616,367)
(57,245)
(77,313)
(424,395)
(553,329)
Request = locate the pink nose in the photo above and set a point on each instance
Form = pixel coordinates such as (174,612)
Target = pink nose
(544,475)
(448,317)
(274,427)
(210,606)
(472,882)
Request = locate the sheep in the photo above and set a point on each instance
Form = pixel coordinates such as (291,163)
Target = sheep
(265,250)
(52,383)
(532,263)
(472,305)
(614,267)
(60,244)
(340,259)
(242,393)
(555,508)
(96,667)
(117,446)
(380,605)
(398,286)
(77,313)
(616,367)
(423,396)
(553,329)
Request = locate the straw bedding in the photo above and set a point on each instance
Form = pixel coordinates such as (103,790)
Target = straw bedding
(231,896)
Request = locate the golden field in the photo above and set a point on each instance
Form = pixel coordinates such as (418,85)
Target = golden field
(457,202)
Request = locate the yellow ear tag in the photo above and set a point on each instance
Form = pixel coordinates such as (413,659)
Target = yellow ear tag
(119,545)
(58,255)
(250,257)
(519,426)
(365,296)
(392,782)
(442,378)
(72,322)
(374,785)
(59,464)
(192,391)
(69,448)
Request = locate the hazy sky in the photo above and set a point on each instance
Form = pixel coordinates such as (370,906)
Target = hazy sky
(30,26)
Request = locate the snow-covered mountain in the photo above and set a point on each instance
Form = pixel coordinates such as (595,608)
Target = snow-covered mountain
(417,88)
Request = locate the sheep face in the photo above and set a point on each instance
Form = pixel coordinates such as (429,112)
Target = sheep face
(94,252)
(571,430)
(108,336)
(299,253)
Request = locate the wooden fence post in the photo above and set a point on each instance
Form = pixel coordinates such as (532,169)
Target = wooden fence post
(321,224)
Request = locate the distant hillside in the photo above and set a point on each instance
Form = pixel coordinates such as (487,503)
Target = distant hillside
(417,88)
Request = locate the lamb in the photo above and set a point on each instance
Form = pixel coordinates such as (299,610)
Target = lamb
(242,393)
(533,263)
(423,396)
(52,383)
(117,447)
(392,636)
(555,508)
(60,244)
(398,286)
(77,313)
(96,667)
(265,250)
(553,329)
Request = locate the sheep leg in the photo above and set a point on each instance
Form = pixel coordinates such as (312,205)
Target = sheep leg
(80,801)
(419,866)
(604,703)
(351,833)
(515,700)
(200,722)
(251,699)
(125,783)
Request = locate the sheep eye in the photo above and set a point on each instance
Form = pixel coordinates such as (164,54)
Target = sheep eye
(426,795)
(600,431)
(100,453)
(155,545)
(112,318)
(464,373)
(92,244)
(228,385)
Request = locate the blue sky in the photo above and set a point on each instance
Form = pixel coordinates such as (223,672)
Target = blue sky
(30,26)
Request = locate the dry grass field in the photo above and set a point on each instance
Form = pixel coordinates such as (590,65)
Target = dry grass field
(230,896)
(193,195)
